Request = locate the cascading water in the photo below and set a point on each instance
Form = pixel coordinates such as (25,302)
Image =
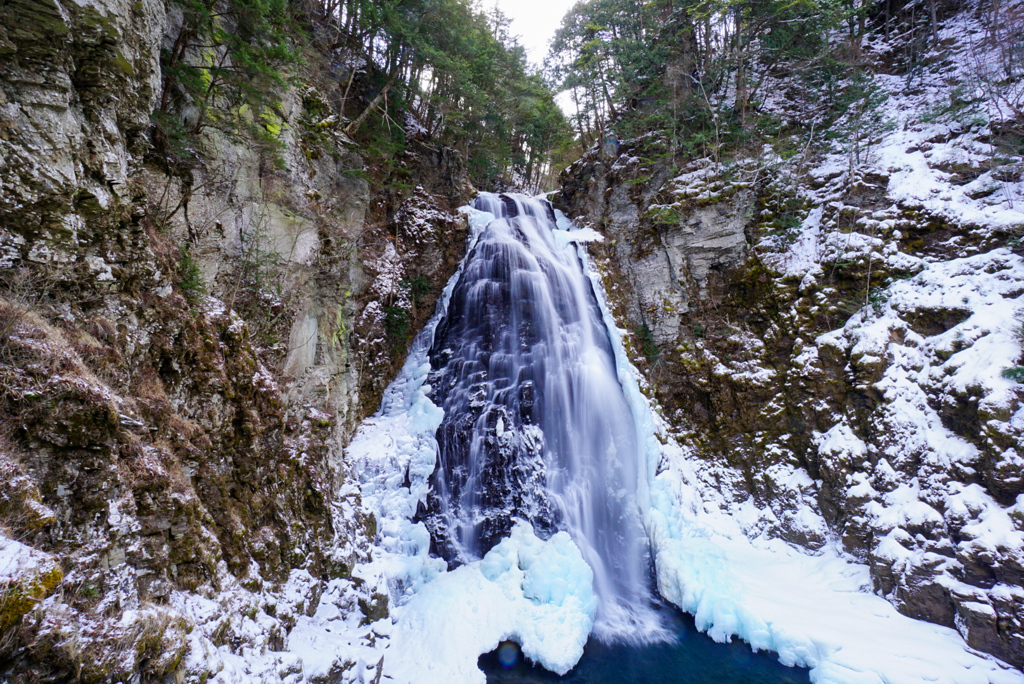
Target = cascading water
(536,424)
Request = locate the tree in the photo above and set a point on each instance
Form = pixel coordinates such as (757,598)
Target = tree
(691,68)
(607,53)
(452,73)
(226,68)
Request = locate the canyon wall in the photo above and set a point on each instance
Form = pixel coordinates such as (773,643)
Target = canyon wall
(184,353)
(837,339)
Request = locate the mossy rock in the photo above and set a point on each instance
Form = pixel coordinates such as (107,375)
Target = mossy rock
(19,598)
(21,503)
(370,525)
(929,322)
(373,609)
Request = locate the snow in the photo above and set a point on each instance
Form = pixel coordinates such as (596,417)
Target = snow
(419,216)
(715,552)
(814,609)
(537,592)
(811,610)
(387,286)
(233,631)
(943,333)
(840,441)
(938,331)
(803,259)
(911,156)
(565,237)
(19,562)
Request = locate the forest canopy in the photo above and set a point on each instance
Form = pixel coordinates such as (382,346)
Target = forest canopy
(700,70)
(440,70)
(451,73)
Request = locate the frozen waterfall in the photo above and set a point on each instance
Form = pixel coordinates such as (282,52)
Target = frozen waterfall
(536,426)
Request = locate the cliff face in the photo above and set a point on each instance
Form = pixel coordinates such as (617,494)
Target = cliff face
(829,335)
(182,357)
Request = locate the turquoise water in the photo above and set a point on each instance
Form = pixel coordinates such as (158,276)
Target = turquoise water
(692,658)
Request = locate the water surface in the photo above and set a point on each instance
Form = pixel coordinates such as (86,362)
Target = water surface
(694,657)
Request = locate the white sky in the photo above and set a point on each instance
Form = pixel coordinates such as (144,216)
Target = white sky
(534,21)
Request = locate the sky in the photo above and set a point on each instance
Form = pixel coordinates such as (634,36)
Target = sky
(534,21)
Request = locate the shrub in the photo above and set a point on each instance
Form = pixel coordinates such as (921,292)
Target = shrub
(648,347)
(396,325)
(1016,373)
(190,277)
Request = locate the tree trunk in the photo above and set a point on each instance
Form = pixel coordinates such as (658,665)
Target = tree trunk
(354,126)
(612,112)
(740,105)
(935,23)
(741,86)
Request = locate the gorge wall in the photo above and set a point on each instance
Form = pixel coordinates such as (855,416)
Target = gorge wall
(829,335)
(183,354)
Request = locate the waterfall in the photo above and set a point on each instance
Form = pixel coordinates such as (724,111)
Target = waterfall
(536,426)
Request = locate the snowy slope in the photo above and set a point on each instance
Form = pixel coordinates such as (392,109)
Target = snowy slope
(840,388)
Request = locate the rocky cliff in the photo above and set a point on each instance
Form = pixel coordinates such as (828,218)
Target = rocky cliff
(183,354)
(838,335)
